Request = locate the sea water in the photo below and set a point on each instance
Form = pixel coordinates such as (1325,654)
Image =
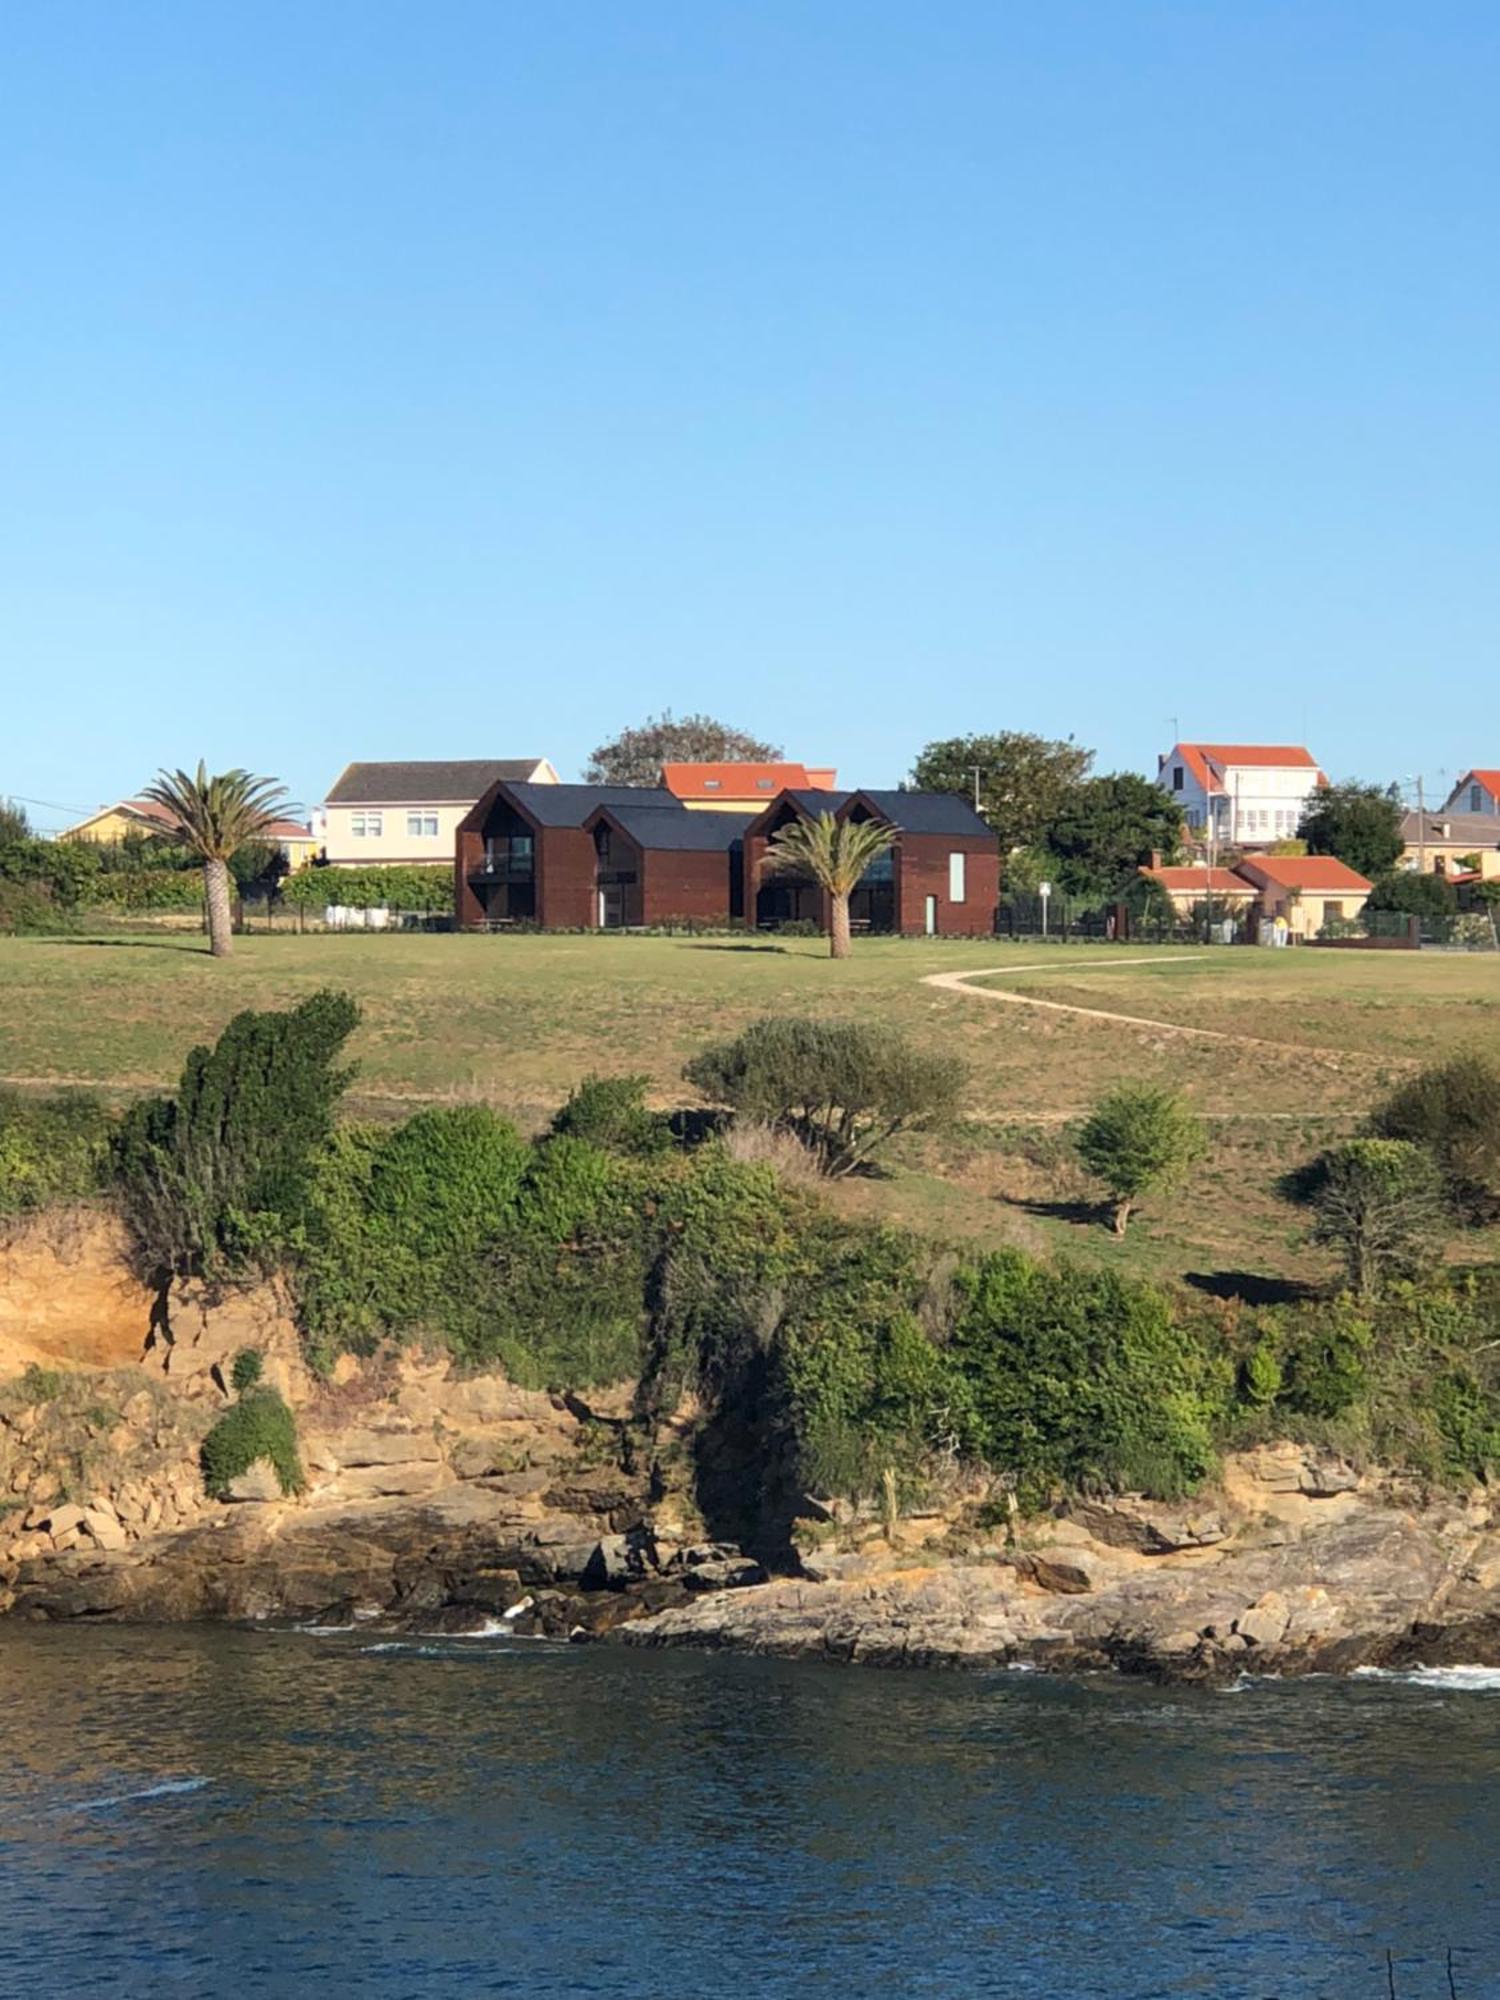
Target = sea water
(210,1811)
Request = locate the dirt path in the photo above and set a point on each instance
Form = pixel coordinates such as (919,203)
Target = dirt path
(960,982)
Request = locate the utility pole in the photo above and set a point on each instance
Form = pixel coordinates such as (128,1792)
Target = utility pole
(978,771)
(1421,824)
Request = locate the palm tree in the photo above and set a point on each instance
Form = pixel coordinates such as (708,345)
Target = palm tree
(215,817)
(835,853)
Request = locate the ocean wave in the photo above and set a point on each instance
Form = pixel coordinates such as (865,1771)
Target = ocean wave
(168,1788)
(1457,1680)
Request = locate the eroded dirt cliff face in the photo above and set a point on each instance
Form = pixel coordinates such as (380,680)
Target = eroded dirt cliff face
(67,1299)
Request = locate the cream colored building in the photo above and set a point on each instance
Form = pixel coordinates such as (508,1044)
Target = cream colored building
(1305,890)
(1441,843)
(390,815)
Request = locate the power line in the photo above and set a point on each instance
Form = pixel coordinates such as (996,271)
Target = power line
(50,805)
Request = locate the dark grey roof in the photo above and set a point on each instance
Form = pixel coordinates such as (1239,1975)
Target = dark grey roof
(442,783)
(570,805)
(1482,829)
(928,812)
(683,831)
(819,802)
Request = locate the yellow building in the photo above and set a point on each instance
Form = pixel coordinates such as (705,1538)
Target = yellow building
(144,816)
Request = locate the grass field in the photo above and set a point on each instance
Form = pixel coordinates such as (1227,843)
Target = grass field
(516,1021)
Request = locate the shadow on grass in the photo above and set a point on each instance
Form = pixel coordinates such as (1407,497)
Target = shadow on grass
(130,944)
(1094,1212)
(1251,1288)
(696,946)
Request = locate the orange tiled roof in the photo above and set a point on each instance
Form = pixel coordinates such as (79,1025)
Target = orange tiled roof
(1212,881)
(743,781)
(1201,758)
(1304,871)
(1489,779)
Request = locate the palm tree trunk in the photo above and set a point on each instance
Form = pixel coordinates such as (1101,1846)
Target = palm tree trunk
(216,893)
(1122,1215)
(838,927)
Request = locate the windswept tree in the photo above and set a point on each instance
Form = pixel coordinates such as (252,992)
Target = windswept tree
(215,818)
(635,756)
(835,853)
(1379,1202)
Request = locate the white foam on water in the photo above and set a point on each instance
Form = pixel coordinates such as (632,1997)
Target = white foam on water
(168,1788)
(1455,1680)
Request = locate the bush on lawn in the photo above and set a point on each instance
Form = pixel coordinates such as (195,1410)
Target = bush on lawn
(844,1088)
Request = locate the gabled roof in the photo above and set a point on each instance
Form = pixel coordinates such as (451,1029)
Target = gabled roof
(446,782)
(926,812)
(571,805)
(1304,871)
(287,829)
(678,830)
(755,782)
(1205,881)
(1208,761)
(1489,779)
(152,817)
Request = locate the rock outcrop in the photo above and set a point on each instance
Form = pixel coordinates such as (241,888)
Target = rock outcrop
(437,1500)
(1298,1565)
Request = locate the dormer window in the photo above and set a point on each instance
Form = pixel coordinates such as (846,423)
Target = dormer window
(765,784)
(712,785)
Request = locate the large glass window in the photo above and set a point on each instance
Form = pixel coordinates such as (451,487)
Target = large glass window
(956,872)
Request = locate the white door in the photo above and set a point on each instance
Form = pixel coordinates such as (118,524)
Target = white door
(932,916)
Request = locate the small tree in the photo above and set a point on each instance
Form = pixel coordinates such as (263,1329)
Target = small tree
(635,756)
(1136,1139)
(216,817)
(843,1088)
(1453,1109)
(835,853)
(1360,824)
(1379,1202)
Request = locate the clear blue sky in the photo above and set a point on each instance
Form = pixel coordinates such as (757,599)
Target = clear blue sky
(448,379)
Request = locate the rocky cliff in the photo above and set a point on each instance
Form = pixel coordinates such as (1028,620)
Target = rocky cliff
(441,1501)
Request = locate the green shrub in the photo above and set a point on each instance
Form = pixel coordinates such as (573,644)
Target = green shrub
(248,1368)
(1262,1376)
(1082,1379)
(1327,1364)
(42,1385)
(220,1176)
(1453,1109)
(844,1088)
(258,1426)
(52,1149)
(610,1111)
(1137,1139)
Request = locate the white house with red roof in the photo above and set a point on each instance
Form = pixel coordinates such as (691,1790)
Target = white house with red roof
(1475,792)
(1241,794)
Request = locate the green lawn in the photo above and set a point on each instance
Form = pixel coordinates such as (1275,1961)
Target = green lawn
(515,1021)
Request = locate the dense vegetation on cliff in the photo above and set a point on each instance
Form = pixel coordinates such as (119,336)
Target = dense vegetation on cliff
(616,1247)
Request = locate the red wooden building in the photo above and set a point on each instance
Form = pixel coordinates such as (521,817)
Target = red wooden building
(939,878)
(584,857)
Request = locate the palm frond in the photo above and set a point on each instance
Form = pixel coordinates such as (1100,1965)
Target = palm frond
(216,816)
(834,852)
